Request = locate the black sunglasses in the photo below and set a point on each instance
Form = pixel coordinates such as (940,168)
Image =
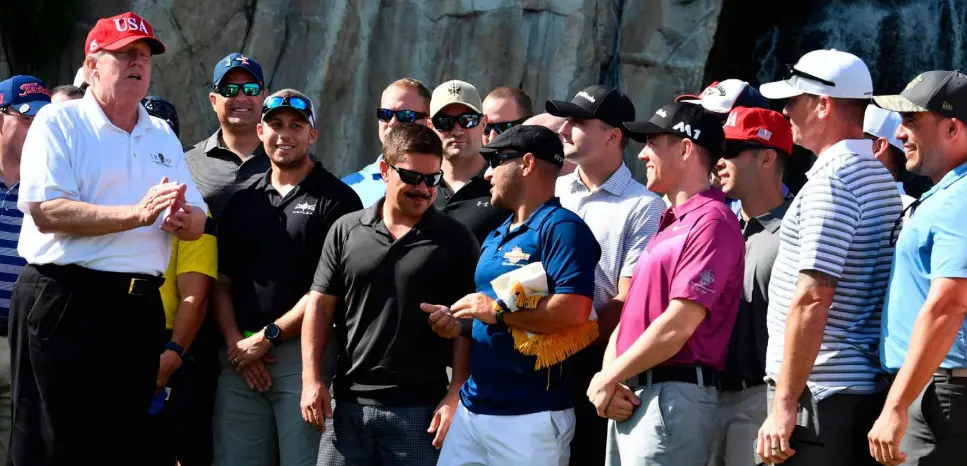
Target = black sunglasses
(498,158)
(231,90)
(502,126)
(791,72)
(402,116)
(7,111)
(467,121)
(291,101)
(415,178)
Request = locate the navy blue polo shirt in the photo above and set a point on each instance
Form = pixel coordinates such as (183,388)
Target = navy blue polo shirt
(502,380)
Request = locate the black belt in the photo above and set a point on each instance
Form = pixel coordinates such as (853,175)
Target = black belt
(739,384)
(105,282)
(687,374)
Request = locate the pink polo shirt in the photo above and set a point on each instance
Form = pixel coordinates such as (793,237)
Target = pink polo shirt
(698,254)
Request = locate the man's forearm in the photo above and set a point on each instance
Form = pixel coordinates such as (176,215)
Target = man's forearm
(193,288)
(291,322)
(554,313)
(608,317)
(805,326)
(195,228)
(663,339)
(316,328)
(224,311)
(611,351)
(77,218)
(461,362)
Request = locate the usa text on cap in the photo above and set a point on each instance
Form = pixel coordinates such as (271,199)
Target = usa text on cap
(455,92)
(944,92)
(25,94)
(722,97)
(688,121)
(117,32)
(595,102)
(236,61)
(747,128)
(830,73)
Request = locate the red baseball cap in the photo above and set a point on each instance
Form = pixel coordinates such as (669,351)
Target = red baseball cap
(757,127)
(118,31)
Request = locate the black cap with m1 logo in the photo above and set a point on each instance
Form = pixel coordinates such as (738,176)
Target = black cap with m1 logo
(690,121)
(595,102)
(943,92)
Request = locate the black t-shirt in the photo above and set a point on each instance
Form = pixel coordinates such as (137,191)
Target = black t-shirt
(269,244)
(470,205)
(388,354)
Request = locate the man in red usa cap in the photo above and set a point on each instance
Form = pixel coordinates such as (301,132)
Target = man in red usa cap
(758,144)
(104,191)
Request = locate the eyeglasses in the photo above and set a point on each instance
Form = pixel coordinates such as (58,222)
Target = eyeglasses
(231,90)
(498,158)
(402,116)
(8,111)
(415,178)
(467,121)
(291,101)
(791,72)
(502,126)
(894,236)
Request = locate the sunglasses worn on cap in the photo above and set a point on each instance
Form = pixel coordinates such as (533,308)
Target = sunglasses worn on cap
(791,72)
(291,101)
(467,121)
(231,90)
(502,126)
(415,178)
(500,157)
(402,116)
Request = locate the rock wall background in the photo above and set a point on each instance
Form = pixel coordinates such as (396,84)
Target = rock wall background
(344,52)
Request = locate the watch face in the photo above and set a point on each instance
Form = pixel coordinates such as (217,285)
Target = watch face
(272,331)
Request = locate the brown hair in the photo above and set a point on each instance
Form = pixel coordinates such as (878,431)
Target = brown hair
(410,138)
(415,85)
(519,97)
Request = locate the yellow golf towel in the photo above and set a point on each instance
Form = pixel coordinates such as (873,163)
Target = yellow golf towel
(523,289)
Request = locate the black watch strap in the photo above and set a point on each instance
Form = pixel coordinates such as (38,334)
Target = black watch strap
(273,333)
(176,348)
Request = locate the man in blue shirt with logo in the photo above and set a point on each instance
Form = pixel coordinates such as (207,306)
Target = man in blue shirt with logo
(923,337)
(512,413)
(20,99)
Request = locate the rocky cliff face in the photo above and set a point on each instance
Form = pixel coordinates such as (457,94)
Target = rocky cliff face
(344,52)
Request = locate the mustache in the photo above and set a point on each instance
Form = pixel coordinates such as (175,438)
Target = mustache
(417,195)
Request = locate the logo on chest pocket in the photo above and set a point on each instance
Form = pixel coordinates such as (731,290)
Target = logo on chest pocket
(162,160)
(305,209)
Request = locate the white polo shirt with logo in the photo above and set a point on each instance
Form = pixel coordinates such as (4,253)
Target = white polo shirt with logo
(74,152)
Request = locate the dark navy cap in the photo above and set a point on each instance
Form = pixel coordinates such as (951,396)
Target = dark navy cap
(162,108)
(538,140)
(236,61)
(25,94)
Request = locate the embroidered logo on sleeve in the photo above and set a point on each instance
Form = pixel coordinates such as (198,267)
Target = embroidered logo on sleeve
(705,280)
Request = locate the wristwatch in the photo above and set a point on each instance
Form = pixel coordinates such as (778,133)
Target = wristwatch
(176,348)
(273,333)
(500,317)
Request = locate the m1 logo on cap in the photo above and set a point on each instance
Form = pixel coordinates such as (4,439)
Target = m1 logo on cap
(130,24)
(586,96)
(687,129)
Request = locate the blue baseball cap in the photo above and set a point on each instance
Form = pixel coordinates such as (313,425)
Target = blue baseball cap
(25,94)
(236,61)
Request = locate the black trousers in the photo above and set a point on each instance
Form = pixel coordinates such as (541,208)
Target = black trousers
(197,444)
(84,357)
(588,447)
(937,431)
(168,431)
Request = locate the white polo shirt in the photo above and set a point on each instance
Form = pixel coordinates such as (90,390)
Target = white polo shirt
(73,151)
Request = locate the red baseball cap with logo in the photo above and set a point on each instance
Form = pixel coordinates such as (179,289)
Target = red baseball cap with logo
(747,128)
(118,31)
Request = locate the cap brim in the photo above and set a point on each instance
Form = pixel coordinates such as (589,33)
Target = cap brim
(640,130)
(779,90)
(157,47)
(289,107)
(733,147)
(32,107)
(560,108)
(688,99)
(898,103)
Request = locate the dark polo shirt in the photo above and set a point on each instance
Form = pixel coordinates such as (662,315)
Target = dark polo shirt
(219,173)
(269,244)
(388,355)
(746,360)
(470,205)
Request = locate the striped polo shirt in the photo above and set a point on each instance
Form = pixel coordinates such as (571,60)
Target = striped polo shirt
(623,215)
(10,262)
(839,224)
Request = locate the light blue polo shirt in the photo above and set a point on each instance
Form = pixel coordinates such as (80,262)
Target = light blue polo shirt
(502,380)
(933,244)
(368,183)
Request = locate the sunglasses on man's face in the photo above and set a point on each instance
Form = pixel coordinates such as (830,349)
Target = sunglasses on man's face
(402,116)
(502,126)
(415,178)
(467,121)
(6,110)
(791,72)
(500,157)
(231,90)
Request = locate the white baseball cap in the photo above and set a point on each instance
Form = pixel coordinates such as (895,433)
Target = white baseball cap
(79,78)
(828,73)
(882,123)
(722,96)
